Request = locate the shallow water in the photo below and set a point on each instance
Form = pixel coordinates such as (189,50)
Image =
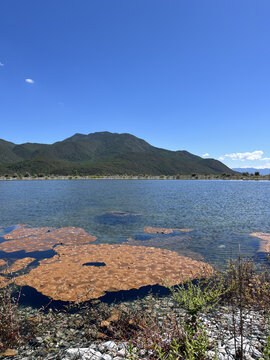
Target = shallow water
(222,214)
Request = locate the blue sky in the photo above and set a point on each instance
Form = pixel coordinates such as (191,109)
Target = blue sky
(191,74)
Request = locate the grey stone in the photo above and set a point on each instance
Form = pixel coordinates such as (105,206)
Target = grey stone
(256,353)
(83,353)
(249,357)
(211,354)
(121,352)
(110,345)
(142,352)
(222,357)
(106,357)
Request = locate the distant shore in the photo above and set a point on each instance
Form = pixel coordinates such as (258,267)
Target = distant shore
(136,177)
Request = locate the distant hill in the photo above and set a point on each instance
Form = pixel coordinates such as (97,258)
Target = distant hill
(253,170)
(102,153)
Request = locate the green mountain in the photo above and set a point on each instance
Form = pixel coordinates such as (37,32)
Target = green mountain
(102,153)
(7,154)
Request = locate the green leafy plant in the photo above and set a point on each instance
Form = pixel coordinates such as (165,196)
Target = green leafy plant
(266,352)
(131,350)
(197,342)
(200,296)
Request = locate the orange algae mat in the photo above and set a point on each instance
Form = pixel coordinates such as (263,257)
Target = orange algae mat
(4,282)
(265,243)
(18,265)
(64,277)
(2,262)
(43,238)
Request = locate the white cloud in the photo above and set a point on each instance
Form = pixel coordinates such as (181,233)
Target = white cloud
(205,155)
(1,64)
(29,81)
(255,155)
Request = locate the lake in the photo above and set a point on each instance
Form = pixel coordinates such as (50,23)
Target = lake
(221,214)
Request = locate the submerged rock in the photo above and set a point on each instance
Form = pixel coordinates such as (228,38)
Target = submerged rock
(117,218)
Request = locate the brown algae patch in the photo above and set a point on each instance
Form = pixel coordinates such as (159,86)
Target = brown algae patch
(4,282)
(64,277)
(265,243)
(2,262)
(155,230)
(43,238)
(18,265)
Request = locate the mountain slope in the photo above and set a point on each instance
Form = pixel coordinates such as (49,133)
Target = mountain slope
(103,153)
(6,152)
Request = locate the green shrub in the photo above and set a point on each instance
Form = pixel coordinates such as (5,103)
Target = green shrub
(200,296)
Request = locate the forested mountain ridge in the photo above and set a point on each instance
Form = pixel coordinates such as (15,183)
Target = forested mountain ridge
(102,153)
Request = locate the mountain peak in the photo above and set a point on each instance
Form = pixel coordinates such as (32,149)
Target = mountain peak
(75,137)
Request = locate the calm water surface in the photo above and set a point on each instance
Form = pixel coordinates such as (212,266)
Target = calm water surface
(222,214)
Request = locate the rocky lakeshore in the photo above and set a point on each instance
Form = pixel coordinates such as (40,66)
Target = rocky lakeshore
(95,332)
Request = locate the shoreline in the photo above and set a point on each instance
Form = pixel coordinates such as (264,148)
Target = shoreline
(138,177)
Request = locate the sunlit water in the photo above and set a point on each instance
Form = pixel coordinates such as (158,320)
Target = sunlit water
(222,214)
